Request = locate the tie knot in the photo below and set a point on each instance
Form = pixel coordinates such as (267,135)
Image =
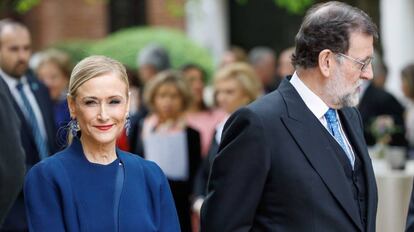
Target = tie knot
(330,116)
(19,86)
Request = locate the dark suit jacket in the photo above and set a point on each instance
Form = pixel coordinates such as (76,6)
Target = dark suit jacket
(12,168)
(409,226)
(17,216)
(201,178)
(276,171)
(376,102)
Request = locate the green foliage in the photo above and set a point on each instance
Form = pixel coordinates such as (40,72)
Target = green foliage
(175,8)
(125,44)
(294,6)
(77,49)
(22,6)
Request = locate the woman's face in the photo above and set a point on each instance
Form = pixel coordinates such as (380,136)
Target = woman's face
(101,106)
(230,95)
(54,78)
(195,79)
(168,102)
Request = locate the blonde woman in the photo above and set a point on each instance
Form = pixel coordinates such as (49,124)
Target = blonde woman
(235,85)
(92,185)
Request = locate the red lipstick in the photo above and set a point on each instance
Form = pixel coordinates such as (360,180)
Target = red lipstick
(104,127)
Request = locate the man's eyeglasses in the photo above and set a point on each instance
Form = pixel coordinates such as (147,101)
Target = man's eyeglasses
(363,65)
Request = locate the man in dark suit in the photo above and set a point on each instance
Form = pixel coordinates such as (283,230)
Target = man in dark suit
(296,159)
(32,103)
(12,168)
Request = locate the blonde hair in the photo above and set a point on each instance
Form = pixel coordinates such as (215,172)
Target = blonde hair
(245,75)
(94,66)
(168,77)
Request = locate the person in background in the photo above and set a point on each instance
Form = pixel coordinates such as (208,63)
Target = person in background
(165,138)
(263,60)
(31,102)
(296,159)
(53,70)
(235,85)
(232,55)
(284,63)
(376,104)
(151,60)
(12,166)
(92,185)
(199,116)
(407,86)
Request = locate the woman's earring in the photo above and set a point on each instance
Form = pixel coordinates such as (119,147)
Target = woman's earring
(127,125)
(74,127)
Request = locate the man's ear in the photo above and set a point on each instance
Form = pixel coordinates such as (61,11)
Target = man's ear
(325,62)
(71,105)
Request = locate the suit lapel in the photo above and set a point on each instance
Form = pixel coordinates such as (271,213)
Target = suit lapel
(308,132)
(348,120)
(15,105)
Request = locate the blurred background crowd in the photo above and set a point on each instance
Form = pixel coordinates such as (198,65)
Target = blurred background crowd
(191,64)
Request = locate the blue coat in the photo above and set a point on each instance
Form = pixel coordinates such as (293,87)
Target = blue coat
(63,193)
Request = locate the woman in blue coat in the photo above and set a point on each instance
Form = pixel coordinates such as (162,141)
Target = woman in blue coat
(92,185)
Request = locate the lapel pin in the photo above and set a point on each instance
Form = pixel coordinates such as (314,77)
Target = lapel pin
(34,86)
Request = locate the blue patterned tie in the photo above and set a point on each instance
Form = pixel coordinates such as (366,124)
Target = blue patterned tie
(39,140)
(333,126)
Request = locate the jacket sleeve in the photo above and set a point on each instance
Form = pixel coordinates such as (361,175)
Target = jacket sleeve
(44,211)
(238,175)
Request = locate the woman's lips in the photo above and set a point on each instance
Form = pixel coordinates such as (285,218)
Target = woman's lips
(104,127)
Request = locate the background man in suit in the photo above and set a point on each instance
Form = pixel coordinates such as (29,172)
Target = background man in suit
(32,103)
(296,159)
(12,166)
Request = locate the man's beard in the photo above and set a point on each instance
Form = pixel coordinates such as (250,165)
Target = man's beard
(336,92)
(19,69)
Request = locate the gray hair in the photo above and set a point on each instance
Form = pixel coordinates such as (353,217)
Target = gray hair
(154,55)
(257,54)
(328,26)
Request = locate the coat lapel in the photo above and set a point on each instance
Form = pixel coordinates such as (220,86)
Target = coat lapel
(309,134)
(357,140)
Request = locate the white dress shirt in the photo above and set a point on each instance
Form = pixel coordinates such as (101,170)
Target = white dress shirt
(317,107)
(12,83)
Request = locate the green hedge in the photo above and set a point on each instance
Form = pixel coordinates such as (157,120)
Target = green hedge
(125,44)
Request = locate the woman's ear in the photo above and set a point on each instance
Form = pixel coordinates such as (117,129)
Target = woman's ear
(325,62)
(71,105)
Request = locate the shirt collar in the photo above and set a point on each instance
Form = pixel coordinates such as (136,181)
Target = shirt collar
(312,101)
(10,81)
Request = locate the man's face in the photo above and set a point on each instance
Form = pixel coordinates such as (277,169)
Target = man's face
(15,51)
(343,87)
(266,70)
